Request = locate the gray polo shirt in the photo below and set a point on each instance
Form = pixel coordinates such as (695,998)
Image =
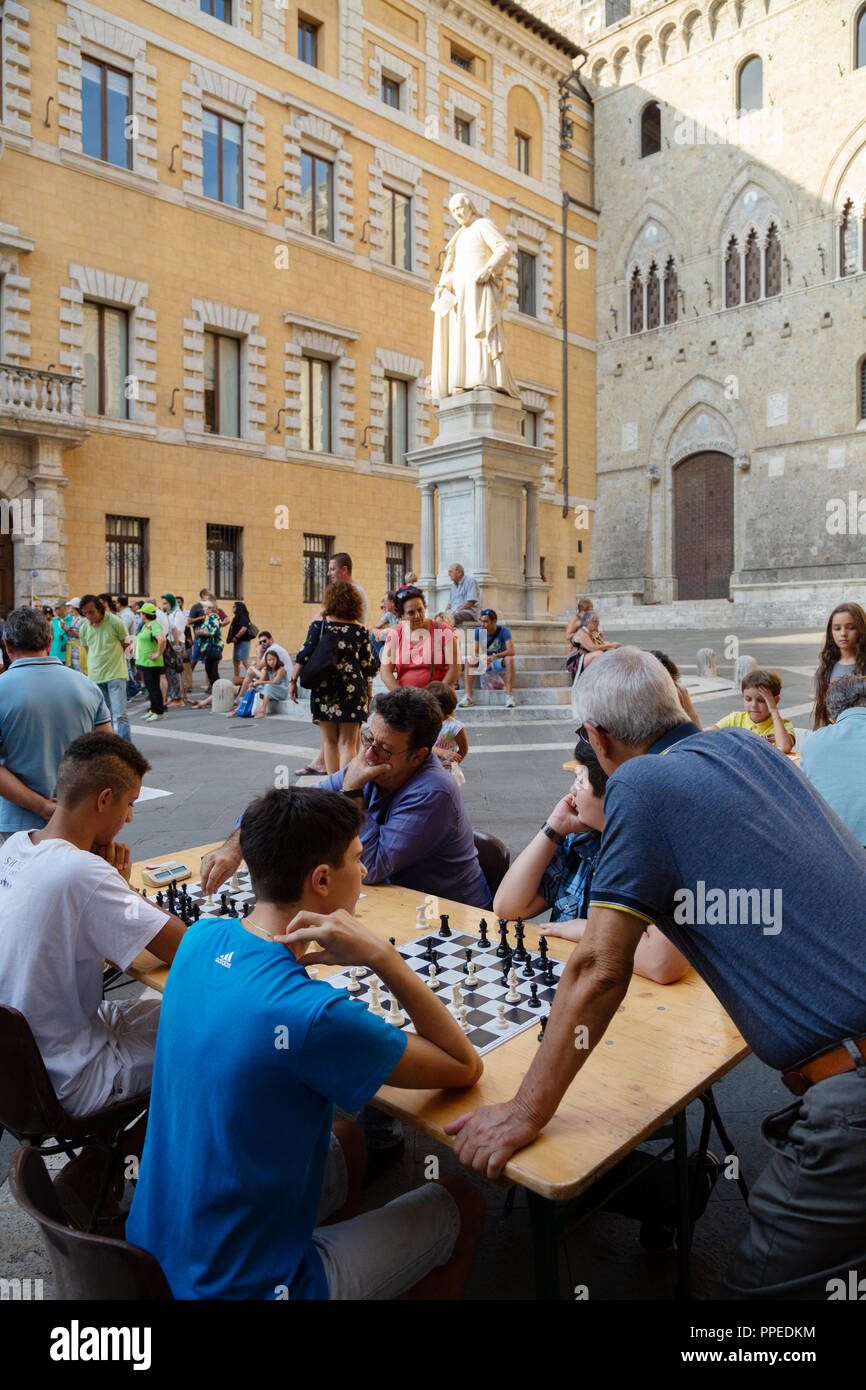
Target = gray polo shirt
(462,593)
(44,705)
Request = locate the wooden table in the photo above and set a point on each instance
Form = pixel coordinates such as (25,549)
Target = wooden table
(665,1047)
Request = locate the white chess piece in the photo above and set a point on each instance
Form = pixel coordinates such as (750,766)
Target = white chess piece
(420,918)
(375,1005)
(513,996)
(431,974)
(353,987)
(235,882)
(395,1013)
(471,977)
(456,996)
(431,908)
(500,1022)
(464,1018)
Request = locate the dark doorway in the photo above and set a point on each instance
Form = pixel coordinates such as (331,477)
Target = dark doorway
(7,574)
(704,526)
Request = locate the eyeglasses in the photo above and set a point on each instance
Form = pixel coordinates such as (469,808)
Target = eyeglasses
(487,612)
(373,745)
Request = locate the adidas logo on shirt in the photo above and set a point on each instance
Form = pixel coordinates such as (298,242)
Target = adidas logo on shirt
(225,960)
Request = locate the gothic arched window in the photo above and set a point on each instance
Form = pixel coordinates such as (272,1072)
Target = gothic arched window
(636,303)
(671,291)
(753,268)
(650,129)
(732,274)
(772,263)
(653,298)
(750,85)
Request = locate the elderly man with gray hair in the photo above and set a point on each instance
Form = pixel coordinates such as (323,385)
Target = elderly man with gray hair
(834,758)
(44,705)
(692,819)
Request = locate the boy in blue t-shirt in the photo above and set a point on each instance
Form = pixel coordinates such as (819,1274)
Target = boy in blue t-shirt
(241,1169)
(499,652)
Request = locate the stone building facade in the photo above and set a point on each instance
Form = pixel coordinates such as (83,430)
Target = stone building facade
(221,225)
(731,297)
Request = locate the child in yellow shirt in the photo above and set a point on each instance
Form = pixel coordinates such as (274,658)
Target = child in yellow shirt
(761,690)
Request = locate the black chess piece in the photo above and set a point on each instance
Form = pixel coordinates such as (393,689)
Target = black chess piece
(483,939)
(196,911)
(527,972)
(159,899)
(393,940)
(444,929)
(542,951)
(549,973)
(429,954)
(533,1001)
(503,949)
(520,952)
(247,909)
(543,1026)
(224,902)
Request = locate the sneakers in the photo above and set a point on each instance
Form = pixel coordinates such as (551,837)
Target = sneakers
(464,703)
(155,718)
(509,702)
(150,715)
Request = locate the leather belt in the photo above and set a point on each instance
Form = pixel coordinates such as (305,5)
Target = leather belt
(827,1064)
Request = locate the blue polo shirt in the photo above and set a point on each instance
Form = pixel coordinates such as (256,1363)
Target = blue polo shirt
(729,849)
(420,836)
(834,759)
(496,641)
(44,705)
(251,1057)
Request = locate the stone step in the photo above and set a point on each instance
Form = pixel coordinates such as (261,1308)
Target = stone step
(540,680)
(806,614)
(544,661)
(533,696)
(488,714)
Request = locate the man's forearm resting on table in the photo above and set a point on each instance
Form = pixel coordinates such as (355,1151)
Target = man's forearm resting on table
(591,988)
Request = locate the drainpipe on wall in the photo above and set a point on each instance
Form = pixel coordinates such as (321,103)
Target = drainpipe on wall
(567,201)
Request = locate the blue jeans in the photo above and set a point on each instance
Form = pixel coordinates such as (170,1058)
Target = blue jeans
(115,697)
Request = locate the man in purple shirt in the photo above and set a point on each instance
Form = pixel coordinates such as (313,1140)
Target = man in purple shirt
(416,832)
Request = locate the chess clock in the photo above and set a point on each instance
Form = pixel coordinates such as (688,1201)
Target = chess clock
(160,875)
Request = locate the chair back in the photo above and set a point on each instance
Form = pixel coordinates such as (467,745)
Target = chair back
(86,1267)
(494,857)
(29,1107)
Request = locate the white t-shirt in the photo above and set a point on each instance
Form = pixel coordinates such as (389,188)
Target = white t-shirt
(63,912)
(162,619)
(127,617)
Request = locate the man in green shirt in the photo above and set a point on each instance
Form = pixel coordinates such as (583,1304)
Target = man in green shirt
(149,647)
(107,642)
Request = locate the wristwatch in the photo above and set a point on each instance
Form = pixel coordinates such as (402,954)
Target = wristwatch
(358,791)
(552,834)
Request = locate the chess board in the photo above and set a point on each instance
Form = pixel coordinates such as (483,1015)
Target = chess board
(482,1002)
(227,900)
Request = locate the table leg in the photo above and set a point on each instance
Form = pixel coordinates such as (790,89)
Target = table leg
(710,1102)
(542,1215)
(684,1215)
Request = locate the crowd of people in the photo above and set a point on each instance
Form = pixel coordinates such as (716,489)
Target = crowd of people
(658,805)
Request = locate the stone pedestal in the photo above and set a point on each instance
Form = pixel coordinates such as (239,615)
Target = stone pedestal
(487,479)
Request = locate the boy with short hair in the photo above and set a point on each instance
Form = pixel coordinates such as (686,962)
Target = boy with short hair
(65,907)
(240,1168)
(761,690)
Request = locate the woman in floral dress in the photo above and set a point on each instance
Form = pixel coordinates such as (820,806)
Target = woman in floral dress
(341,702)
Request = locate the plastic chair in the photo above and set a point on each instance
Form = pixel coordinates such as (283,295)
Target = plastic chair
(86,1267)
(494,857)
(30,1110)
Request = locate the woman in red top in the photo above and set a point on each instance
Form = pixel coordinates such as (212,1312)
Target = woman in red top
(418,650)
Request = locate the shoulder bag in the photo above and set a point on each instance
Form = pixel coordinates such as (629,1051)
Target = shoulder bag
(322,663)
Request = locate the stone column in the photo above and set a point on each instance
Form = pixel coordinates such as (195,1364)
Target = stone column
(480,499)
(532,572)
(42,545)
(427,577)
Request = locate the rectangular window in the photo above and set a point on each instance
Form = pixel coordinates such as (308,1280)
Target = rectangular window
(461,59)
(462,130)
(126,557)
(532,427)
(222,159)
(222,385)
(398,563)
(521,151)
(106,104)
(308,42)
(317,196)
(317,552)
(218,9)
(106,339)
(225,560)
(396,419)
(397,228)
(526,283)
(316,405)
(391,92)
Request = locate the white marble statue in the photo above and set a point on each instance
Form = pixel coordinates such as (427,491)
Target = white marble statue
(468,338)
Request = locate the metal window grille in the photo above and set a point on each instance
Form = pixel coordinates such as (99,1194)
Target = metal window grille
(526,283)
(636,303)
(671,286)
(653,298)
(225,561)
(398,563)
(753,268)
(126,555)
(732,274)
(773,264)
(317,553)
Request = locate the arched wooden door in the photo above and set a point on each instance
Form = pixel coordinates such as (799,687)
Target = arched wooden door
(7,574)
(704,526)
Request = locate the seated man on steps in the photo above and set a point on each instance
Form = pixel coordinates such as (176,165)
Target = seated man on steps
(415,830)
(65,907)
(245,1190)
